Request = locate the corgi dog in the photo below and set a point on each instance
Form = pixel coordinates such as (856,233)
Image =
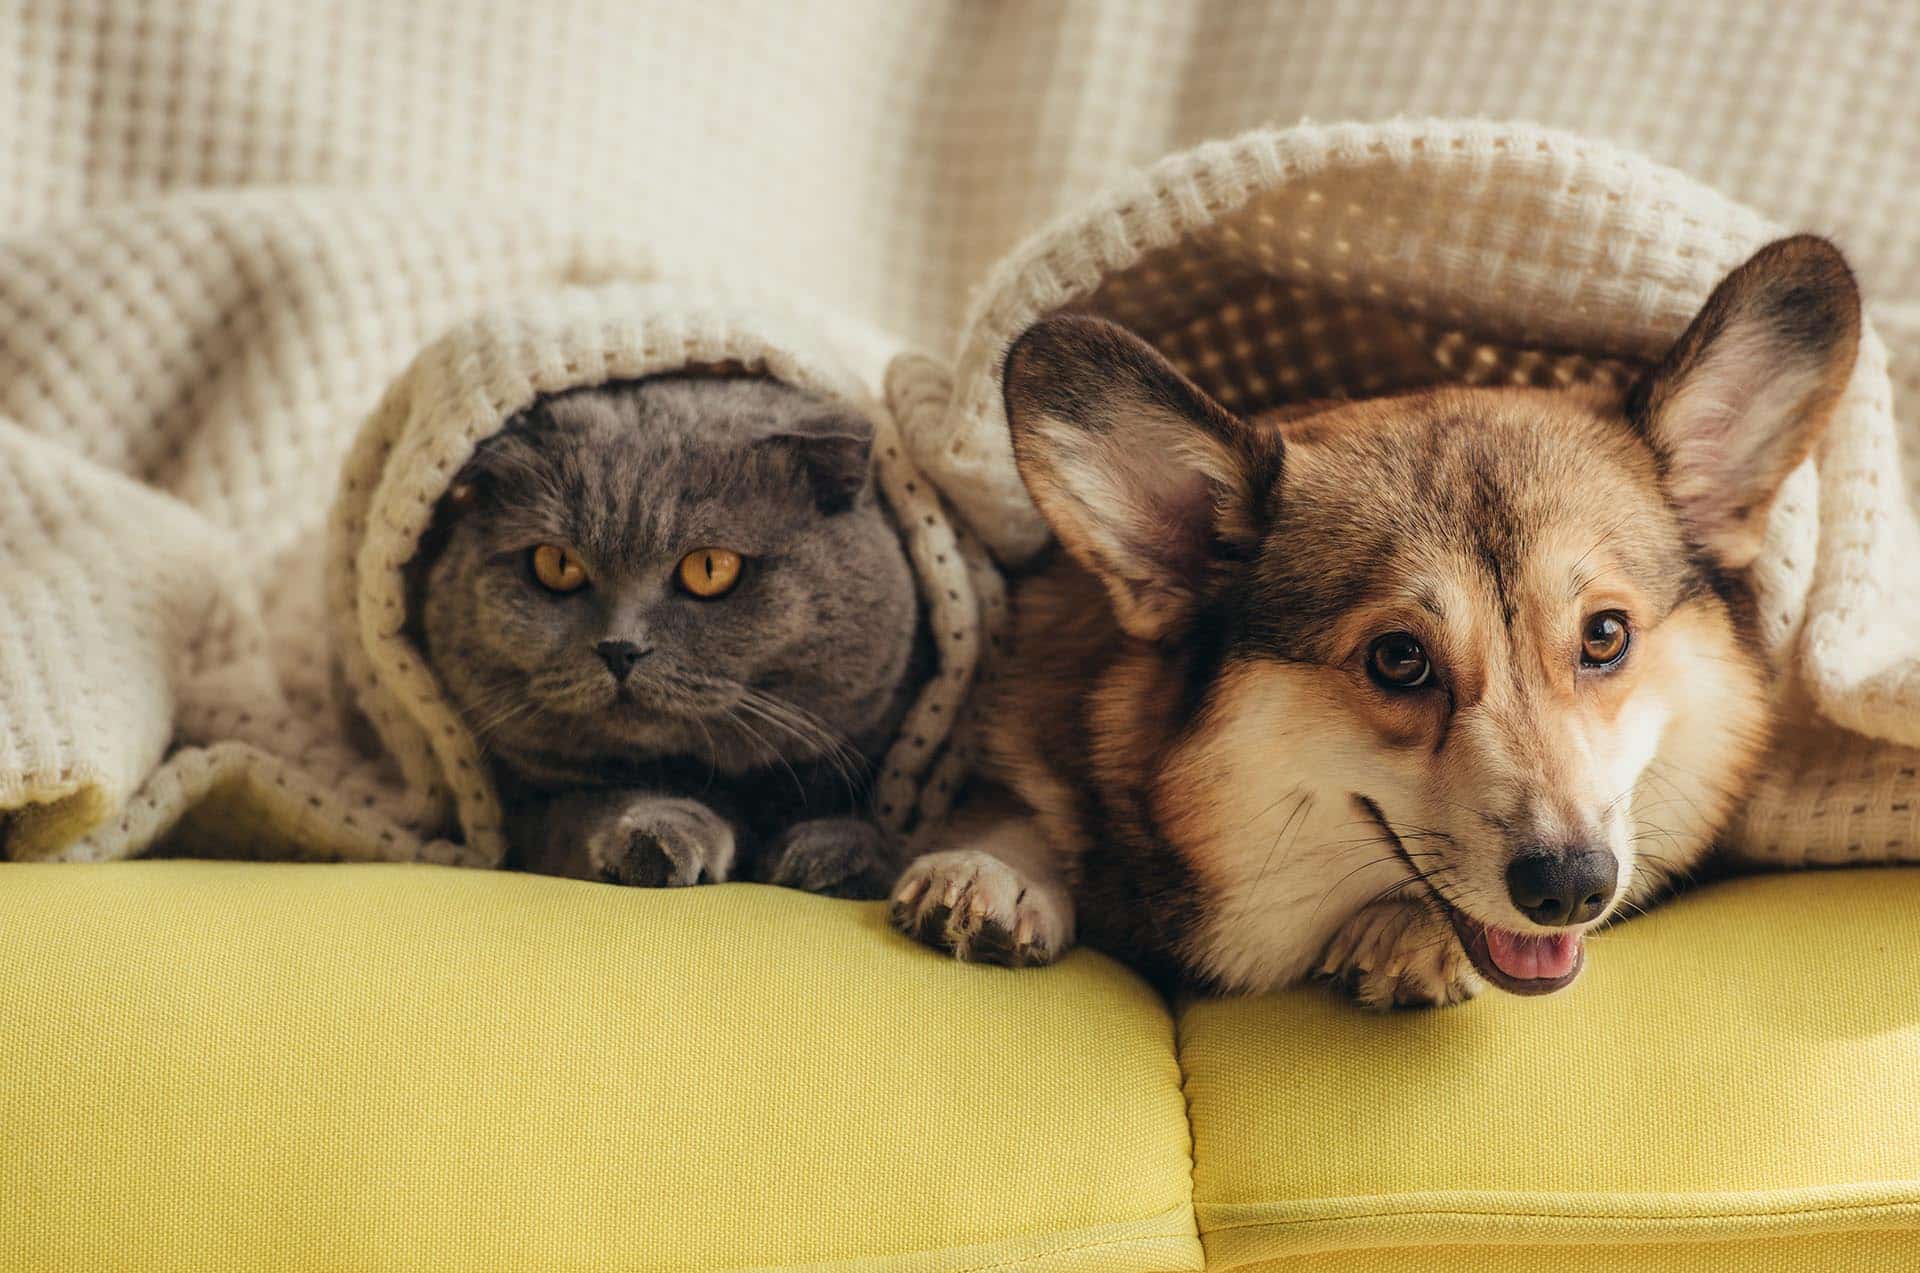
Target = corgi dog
(1407,693)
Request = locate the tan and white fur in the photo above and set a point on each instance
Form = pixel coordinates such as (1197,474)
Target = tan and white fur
(1408,693)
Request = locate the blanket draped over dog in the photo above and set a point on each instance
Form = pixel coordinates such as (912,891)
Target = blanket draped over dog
(227,413)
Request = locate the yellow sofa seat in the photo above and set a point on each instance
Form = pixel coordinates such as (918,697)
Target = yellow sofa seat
(229,1066)
(1733,1083)
(225,1066)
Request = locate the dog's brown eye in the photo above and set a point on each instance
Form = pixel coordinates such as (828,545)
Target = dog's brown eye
(1398,661)
(1605,641)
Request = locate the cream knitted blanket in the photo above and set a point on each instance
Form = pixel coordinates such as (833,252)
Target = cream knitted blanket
(229,236)
(293,714)
(481,374)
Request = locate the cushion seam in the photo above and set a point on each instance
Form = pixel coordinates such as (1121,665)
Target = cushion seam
(1911,1204)
(1178,1019)
(1020,1261)
(1027,1258)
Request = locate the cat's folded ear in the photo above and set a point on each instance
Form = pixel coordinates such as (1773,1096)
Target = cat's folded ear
(468,487)
(494,457)
(834,448)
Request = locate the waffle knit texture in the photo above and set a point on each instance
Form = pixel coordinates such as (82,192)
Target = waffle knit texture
(285,773)
(228,230)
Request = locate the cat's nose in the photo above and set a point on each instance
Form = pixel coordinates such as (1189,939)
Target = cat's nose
(620,656)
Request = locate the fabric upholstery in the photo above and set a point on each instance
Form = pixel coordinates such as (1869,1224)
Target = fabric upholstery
(211,1065)
(1743,1062)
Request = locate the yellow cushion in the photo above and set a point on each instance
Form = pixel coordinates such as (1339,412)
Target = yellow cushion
(215,1065)
(1733,1083)
(1872,1251)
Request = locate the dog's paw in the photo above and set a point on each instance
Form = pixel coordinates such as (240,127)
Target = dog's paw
(838,857)
(1399,955)
(658,842)
(980,909)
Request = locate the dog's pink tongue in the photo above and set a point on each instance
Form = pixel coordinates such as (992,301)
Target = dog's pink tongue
(1528,958)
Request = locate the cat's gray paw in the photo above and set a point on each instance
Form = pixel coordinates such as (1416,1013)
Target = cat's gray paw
(838,857)
(978,908)
(659,842)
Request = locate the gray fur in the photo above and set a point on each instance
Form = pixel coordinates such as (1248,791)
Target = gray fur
(757,713)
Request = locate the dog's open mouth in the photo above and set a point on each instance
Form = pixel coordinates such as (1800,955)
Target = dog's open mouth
(1519,963)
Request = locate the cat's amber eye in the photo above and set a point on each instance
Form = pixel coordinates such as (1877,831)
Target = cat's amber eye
(710,572)
(1604,642)
(559,569)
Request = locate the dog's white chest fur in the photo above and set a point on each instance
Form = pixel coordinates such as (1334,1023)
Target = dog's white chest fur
(1323,861)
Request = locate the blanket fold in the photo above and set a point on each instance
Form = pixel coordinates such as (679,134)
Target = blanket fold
(477,377)
(171,442)
(183,380)
(1353,260)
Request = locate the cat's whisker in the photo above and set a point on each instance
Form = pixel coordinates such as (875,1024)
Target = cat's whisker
(735,719)
(761,713)
(847,762)
(495,713)
(713,750)
(830,738)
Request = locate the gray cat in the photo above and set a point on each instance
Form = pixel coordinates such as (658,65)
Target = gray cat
(683,628)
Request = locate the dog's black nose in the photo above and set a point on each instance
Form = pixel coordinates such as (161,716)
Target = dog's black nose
(1558,887)
(620,656)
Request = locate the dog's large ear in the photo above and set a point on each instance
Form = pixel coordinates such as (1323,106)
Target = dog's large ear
(1147,481)
(1741,398)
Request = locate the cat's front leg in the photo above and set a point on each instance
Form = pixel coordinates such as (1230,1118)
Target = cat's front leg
(838,857)
(631,837)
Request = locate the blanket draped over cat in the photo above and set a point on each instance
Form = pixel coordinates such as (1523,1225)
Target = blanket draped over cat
(471,383)
(185,385)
